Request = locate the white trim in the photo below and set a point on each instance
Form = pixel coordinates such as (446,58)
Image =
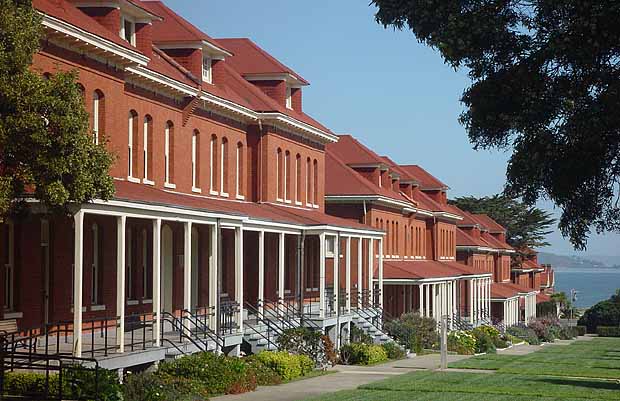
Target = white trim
(196,190)
(96,117)
(289,97)
(132,33)
(97,308)
(147,182)
(207,70)
(169,185)
(15,315)
(289,78)
(194,160)
(133,179)
(132,302)
(132,56)
(327,137)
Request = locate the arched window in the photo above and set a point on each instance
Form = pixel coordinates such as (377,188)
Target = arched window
(131,142)
(308,182)
(224,168)
(315,195)
(196,161)
(298,179)
(287,176)
(213,165)
(279,175)
(169,154)
(240,171)
(148,149)
(98,114)
(96,268)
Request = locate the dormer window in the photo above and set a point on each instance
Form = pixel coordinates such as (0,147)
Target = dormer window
(207,73)
(289,98)
(128,30)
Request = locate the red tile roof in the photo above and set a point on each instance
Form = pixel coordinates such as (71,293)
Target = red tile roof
(174,28)
(465,239)
(427,181)
(249,59)
(265,212)
(424,269)
(67,12)
(519,288)
(353,152)
(503,291)
(491,224)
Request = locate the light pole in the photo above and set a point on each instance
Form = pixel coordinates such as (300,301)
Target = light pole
(573,298)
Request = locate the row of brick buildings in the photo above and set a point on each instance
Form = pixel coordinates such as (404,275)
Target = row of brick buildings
(234,209)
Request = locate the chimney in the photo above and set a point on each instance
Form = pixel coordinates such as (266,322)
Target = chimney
(109,17)
(144,39)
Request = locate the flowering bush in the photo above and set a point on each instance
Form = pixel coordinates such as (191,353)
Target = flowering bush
(490,330)
(524,333)
(462,342)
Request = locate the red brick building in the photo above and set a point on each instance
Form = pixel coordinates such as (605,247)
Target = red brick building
(218,221)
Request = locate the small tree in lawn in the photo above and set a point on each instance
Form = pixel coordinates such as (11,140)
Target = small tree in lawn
(46,152)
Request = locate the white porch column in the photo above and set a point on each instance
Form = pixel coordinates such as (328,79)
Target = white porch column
(337,275)
(371,260)
(157,281)
(421,295)
(429,287)
(455,301)
(214,298)
(348,273)
(281,290)
(489,283)
(120,281)
(381,273)
(78,272)
(504,318)
(471,300)
(261,271)
(360,281)
(187,266)
(239,275)
(322,275)
(479,289)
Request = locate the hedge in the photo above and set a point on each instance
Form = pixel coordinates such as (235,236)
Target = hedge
(608,331)
(362,354)
(581,330)
(287,366)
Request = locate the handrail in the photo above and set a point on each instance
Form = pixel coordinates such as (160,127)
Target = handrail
(268,323)
(183,330)
(204,328)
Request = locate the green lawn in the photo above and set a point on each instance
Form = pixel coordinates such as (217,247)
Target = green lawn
(542,376)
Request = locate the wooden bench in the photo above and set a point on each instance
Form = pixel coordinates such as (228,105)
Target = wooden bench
(8,326)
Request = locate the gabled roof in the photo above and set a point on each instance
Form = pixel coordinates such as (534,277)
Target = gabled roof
(174,28)
(503,291)
(250,59)
(491,224)
(427,180)
(353,152)
(464,239)
(67,12)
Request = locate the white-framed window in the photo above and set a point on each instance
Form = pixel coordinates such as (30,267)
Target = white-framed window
(168,154)
(207,72)
(287,165)
(96,117)
(212,164)
(128,30)
(224,167)
(130,141)
(298,179)
(289,97)
(279,175)
(129,263)
(195,162)
(94,280)
(308,182)
(239,171)
(145,272)
(330,246)
(9,266)
(147,149)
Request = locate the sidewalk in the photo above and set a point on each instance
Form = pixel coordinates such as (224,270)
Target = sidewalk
(347,378)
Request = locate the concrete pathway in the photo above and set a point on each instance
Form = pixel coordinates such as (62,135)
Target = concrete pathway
(351,377)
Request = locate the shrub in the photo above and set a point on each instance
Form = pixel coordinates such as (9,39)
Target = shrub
(362,354)
(28,384)
(158,387)
(265,376)
(287,366)
(604,313)
(462,342)
(541,330)
(393,350)
(358,336)
(303,341)
(484,342)
(581,330)
(490,330)
(330,356)
(547,308)
(524,333)
(413,331)
(608,331)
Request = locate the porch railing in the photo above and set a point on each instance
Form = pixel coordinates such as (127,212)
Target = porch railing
(229,311)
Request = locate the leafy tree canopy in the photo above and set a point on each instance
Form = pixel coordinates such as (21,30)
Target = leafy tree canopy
(526,226)
(45,150)
(545,83)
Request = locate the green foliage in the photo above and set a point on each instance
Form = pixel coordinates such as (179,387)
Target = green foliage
(462,342)
(28,384)
(547,308)
(581,330)
(413,331)
(608,331)
(265,376)
(362,354)
(484,342)
(161,387)
(358,336)
(393,350)
(604,313)
(524,333)
(287,366)
(303,341)
(46,151)
(525,226)
(545,85)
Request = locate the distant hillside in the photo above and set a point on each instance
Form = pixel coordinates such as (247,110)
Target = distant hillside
(578,261)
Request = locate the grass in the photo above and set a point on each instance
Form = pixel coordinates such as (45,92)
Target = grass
(580,371)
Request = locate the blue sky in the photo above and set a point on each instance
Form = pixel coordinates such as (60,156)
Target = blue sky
(378,84)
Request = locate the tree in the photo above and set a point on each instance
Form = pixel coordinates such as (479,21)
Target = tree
(45,150)
(545,83)
(526,226)
(604,313)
